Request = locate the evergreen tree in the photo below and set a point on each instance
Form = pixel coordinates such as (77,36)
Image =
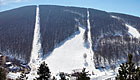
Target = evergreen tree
(83,75)
(2,74)
(54,78)
(43,72)
(62,76)
(138,73)
(128,70)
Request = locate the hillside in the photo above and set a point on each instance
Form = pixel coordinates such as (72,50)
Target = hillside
(62,35)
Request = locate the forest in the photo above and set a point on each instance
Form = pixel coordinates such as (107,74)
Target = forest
(110,37)
(16,32)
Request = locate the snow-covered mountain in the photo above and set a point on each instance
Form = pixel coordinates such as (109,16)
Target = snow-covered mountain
(69,38)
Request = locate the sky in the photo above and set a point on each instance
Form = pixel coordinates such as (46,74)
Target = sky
(131,7)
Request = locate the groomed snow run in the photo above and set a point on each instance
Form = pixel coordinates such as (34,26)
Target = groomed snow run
(90,53)
(69,56)
(133,31)
(36,53)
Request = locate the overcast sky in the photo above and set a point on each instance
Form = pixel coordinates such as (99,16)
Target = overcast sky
(131,7)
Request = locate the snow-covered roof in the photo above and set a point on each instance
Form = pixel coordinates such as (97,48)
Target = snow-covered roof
(8,62)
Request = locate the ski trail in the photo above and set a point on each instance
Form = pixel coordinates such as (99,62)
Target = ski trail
(133,31)
(91,53)
(89,32)
(36,48)
(69,56)
(36,52)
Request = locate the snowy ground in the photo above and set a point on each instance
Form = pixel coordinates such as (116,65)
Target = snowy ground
(133,31)
(13,75)
(36,54)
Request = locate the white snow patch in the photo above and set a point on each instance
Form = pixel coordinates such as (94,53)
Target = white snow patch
(8,63)
(13,75)
(115,17)
(133,31)
(36,53)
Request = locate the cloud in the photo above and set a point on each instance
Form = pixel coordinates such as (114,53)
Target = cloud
(4,2)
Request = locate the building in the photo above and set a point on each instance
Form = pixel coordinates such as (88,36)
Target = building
(2,60)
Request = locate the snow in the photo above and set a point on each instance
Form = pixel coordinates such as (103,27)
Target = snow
(12,67)
(8,63)
(107,73)
(36,53)
(133,31)
(36,47)
(91,66)
(13,75)
(115,17)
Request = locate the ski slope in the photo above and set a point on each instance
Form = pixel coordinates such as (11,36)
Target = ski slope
(133,31)
(69,56)
(90,53)
(36,53)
